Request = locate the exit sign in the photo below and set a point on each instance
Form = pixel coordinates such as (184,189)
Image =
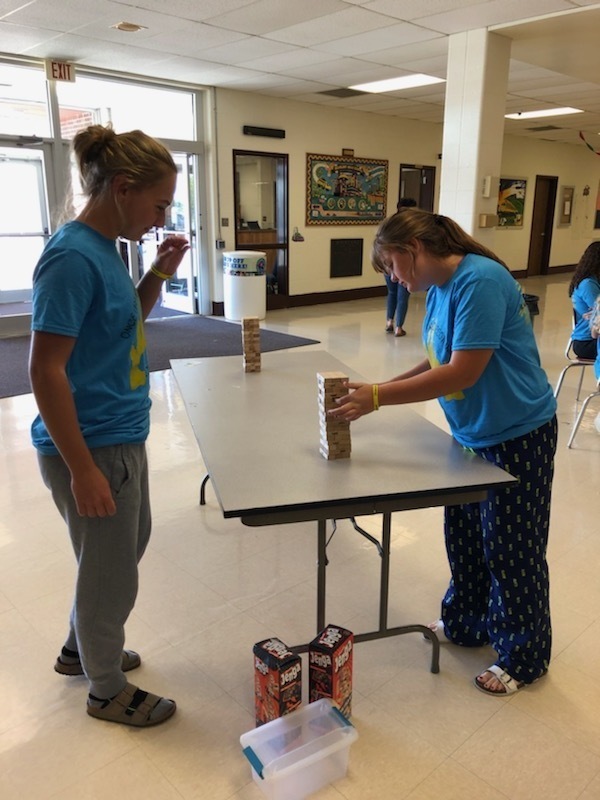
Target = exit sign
(60,71)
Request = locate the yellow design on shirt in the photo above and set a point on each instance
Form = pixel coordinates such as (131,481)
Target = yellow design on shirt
(435,363)
(137,376)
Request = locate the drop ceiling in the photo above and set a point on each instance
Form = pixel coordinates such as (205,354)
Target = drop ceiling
(307,50)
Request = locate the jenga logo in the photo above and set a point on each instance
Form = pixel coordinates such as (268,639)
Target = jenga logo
(343,656)
(330,637)
(277,648)
(261,666)
(320,659)
(290,674)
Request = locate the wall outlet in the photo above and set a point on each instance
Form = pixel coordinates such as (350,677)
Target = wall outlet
(220,244)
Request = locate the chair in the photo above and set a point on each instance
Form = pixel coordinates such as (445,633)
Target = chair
(574,361)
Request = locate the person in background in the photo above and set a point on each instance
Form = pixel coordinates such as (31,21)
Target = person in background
(89,375)
(594,323)
(398,295)
(483,365)
(583,291)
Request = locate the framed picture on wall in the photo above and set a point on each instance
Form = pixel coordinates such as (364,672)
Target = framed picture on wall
(565,211)
(345,190)
(511,202)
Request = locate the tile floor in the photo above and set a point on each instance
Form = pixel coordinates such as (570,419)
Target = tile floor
(210,588)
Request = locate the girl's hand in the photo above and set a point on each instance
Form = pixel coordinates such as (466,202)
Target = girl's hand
(355,405)
(170,253)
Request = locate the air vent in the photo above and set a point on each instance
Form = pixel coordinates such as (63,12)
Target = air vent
(342,93)
(542,128)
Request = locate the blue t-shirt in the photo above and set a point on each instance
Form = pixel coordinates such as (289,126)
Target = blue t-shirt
(482,307)
(583,299)
(81,288)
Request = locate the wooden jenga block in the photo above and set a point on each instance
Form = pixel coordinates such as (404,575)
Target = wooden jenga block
(251,344)
(334,432)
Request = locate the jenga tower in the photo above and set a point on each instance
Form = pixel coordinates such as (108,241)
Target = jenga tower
(335,432)
(251,344)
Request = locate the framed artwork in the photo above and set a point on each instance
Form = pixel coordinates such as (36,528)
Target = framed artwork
(565,211)
(345,190)
(511,202)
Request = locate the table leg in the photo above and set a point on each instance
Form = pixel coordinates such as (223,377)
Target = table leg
(205,480)
(321,572)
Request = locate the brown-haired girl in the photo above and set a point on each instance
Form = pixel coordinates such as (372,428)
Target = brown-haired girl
(483,366)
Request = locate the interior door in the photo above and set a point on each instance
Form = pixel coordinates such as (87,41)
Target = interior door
(179,293)
(24,225)
(541,224)
(418,182)
(261,215)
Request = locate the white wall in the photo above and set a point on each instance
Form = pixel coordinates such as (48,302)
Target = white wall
(318,129)
(573,165)
(315,129)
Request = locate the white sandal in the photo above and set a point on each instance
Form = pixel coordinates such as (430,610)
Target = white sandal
(509,684)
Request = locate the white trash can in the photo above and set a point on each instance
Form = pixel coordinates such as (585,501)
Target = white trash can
(244,284)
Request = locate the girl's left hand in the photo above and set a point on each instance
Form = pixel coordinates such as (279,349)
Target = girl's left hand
(355,405)
(170,253)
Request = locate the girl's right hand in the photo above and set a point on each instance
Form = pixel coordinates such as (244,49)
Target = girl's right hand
(93,495)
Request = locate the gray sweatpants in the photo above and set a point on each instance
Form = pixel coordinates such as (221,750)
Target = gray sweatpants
(107,550)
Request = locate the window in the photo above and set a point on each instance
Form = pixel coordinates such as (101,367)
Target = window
(23,101)
(159,112)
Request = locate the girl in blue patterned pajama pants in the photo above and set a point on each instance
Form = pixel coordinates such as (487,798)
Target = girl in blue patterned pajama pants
(483,366)
(498,592)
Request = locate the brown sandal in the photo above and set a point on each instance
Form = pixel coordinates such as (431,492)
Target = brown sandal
(135,707)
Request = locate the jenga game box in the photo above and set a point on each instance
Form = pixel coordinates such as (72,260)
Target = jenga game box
(330,667)
(277,680)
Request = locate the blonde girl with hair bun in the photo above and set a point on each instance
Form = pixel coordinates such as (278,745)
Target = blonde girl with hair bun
(89,376)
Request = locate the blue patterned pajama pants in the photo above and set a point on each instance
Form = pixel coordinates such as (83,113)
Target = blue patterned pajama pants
(499,589)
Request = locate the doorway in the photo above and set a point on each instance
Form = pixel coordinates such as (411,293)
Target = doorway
(181,292)
(24,225)
(261,215)
(418,182)
(542,221)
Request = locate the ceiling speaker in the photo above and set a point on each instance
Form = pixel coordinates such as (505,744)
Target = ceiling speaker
(273,133)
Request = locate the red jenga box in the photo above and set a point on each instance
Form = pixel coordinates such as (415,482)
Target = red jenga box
(330,667)
(277,680)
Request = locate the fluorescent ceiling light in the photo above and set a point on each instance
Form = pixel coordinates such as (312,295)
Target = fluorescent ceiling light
(547,112)
(397,84)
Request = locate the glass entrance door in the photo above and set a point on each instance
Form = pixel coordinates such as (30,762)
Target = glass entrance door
(24,225)
(180,292)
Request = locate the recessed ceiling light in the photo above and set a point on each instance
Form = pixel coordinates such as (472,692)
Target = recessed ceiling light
(397,84)
(129,27)
(546,112)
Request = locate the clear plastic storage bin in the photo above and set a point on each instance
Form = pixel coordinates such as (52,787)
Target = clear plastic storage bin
(299,753)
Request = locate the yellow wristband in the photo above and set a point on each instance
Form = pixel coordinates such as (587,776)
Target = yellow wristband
(163,276)
(375,397)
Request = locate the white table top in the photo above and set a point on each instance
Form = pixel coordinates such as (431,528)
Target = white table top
(259,438)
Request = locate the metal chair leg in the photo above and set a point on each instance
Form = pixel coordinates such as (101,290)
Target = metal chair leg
(580,382)
(580,416)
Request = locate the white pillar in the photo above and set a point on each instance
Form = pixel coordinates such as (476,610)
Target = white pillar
(477,78)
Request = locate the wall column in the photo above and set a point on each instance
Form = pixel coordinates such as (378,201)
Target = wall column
(477,79)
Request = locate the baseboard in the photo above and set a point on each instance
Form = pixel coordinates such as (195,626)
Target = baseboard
(314,299)
(318,298)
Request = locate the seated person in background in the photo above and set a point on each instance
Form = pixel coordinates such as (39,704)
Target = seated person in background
(583,291)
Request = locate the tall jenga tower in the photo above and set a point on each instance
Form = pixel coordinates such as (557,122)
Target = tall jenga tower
(251,344)
(335,432)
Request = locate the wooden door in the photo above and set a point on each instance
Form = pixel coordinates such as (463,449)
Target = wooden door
(542,221)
